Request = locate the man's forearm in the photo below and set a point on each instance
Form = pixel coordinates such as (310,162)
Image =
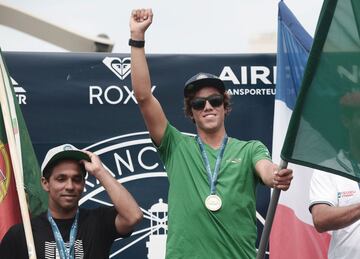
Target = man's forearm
(327,218)
(140,76)
(140,20)
(129,213)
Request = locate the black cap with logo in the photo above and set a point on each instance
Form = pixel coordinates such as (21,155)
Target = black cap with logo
(201,80)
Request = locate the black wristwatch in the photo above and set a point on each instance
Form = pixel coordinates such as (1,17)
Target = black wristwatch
(136,43)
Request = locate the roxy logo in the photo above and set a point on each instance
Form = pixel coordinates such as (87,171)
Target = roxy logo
(120,67)
(114,94)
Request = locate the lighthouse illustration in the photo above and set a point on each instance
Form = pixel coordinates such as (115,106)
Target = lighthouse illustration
(157,239)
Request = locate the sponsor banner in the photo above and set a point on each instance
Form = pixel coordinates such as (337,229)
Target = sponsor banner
(87,100)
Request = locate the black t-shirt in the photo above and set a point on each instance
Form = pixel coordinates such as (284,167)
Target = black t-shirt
(95,235)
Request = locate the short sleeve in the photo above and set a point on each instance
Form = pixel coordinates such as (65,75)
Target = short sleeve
(172,137)
(322,189)
(107,216)
(259,152)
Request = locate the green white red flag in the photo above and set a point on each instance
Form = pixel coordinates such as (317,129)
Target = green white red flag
(36,197)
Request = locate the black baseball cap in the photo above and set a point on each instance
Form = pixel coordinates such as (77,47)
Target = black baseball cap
(201,80)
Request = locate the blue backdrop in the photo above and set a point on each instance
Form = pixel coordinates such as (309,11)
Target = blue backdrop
(86,99)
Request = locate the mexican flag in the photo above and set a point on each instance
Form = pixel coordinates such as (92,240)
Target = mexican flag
(11,118)
(324,130)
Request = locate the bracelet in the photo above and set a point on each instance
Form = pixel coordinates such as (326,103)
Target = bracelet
(136,43)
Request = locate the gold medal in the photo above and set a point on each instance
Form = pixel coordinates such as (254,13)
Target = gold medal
(213,202)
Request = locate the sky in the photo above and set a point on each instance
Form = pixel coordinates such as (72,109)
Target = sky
(185,26)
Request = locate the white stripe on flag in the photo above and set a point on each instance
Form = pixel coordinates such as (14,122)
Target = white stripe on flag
(297,196)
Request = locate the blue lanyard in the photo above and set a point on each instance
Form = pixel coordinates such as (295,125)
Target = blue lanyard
(212,177)
(64,253)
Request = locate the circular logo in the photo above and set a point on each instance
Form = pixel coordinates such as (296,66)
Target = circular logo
(5,171)
(134,162)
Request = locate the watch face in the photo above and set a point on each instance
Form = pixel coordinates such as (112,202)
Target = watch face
(133,161)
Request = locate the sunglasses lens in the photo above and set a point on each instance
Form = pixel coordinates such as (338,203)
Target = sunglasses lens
(198,103)
(216,100)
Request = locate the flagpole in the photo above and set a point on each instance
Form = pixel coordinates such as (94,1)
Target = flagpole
(269,218)
(16,163)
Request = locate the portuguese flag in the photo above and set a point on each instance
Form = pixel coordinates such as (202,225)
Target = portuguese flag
(35,196)
(9,204)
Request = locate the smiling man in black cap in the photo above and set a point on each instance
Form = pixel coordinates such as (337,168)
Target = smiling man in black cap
(212,210)
(65,230)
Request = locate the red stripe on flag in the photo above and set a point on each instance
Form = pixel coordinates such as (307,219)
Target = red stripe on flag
(305,241)
(9,204)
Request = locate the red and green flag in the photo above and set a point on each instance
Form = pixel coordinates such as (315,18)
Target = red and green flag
(35,196)
(324,131)
(9,204)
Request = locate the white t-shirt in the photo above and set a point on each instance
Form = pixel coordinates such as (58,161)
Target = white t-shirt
(338,191)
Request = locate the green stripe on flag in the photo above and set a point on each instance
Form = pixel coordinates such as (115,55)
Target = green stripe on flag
(324,131)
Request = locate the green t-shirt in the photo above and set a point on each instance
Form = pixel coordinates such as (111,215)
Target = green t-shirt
(194,231)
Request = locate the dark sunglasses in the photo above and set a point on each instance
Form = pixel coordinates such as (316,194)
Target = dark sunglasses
(200,102)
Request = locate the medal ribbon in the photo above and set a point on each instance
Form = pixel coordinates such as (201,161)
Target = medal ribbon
(212,177)
(64,253)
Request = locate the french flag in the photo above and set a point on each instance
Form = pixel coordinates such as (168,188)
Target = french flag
(293,234)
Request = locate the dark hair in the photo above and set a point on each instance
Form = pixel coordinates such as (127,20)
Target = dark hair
(48,170)
(190,97)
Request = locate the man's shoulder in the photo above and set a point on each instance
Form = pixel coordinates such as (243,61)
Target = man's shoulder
(175,135)
(13,244)
(19,227)
(322,175)
(15,230)
(245,143)
(15,233)
(171,129)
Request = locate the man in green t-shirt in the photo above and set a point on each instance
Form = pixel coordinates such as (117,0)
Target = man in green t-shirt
(213,178)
